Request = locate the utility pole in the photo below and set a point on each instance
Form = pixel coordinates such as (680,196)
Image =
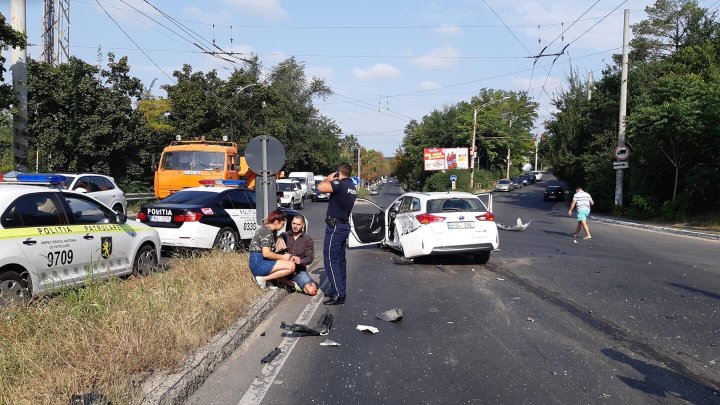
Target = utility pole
(590,85)
(48,32)
(359,165)
(537,143)
(473,153)
(507,172)
(623,106)
(19,79)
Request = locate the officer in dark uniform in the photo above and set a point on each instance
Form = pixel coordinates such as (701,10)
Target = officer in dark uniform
(342,198)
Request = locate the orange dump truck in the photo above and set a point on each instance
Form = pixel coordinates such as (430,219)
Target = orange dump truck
(184,163)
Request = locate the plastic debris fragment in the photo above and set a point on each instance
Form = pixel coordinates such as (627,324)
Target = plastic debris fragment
(402,260)
(519,226)
(323,326)
(270,356)
(366,328)
(329,343)
(392,315)
(530,319)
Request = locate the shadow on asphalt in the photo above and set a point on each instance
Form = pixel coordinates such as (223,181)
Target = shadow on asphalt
(661,382)
(696,290)
(564,233)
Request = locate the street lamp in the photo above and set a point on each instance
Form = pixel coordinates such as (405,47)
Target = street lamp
(472,150)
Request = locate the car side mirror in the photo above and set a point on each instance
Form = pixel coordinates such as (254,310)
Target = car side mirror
(120,218)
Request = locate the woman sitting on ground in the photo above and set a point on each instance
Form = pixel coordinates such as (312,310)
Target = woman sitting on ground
(265,264)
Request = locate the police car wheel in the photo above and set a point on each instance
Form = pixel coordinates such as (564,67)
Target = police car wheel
(482,258)
(146,261)
(14,287)
(226,240)
(118,209)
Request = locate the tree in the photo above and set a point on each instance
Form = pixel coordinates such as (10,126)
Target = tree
(81,118)
(8,38)
(671,25)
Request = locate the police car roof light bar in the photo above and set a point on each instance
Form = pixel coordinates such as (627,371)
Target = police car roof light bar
(236,183)
(40,178)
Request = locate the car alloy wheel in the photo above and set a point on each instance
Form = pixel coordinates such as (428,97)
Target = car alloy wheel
(14,287)
(146,261)
(226,240)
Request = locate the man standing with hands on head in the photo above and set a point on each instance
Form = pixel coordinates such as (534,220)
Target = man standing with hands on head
(342,198)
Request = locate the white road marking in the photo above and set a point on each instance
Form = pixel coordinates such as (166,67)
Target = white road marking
(260,386)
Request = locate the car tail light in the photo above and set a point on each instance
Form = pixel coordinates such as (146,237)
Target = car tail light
(429,218)
(142,217)
(189,216)
(488,216)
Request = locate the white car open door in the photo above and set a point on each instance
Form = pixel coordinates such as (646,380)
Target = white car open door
(487,200)
(367,224)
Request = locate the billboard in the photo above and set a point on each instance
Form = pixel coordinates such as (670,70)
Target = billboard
(445,158)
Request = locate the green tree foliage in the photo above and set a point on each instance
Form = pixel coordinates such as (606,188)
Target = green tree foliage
(672,122)
(8,38)
(453,127)
(81,118)
(244,106)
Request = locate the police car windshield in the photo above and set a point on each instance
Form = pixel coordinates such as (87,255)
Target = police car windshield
(190,197)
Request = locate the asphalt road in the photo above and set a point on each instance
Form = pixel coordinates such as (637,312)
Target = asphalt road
(630,316)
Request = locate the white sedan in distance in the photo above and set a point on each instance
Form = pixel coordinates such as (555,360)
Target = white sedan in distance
(421,224)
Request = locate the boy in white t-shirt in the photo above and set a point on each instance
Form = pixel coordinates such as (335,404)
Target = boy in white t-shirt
(582,202)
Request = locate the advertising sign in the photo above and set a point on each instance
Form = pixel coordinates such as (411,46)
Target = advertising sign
(445,158)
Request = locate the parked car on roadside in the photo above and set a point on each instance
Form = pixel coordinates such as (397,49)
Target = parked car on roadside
(53,238)
(504,185)
(554,193)
(102,188)
(517,182)
(421,224)
(217,215)
(538,175)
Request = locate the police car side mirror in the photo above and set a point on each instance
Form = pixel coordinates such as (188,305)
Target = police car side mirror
(120,218)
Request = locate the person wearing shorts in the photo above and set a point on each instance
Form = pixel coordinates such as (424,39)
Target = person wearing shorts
(581,202)
(264,263)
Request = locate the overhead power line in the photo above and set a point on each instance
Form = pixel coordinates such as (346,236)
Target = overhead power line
(135,43)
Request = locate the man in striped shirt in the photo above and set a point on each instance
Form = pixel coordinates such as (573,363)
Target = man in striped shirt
(582,202)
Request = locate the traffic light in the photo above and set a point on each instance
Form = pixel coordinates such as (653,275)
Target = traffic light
(356,153)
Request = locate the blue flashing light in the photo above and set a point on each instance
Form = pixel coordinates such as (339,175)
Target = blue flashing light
(232,183)
(40,178)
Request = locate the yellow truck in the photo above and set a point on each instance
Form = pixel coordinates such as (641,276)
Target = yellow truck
(184,163)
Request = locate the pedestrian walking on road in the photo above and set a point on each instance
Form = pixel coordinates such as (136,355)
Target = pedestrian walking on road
(264,263)
(581,202)
(342,199)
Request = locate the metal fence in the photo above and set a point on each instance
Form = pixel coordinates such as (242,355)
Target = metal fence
(140,196)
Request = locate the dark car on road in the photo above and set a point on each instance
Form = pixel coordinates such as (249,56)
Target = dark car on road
(554,193)
(517,182)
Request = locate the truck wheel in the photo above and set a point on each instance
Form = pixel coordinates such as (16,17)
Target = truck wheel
(14,287)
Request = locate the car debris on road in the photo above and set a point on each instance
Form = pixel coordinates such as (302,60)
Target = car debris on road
(270,356)
(519,226)
(392,315)
(366,328)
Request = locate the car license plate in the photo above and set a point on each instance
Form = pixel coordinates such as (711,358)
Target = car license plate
(461,225)
(160,218)
(551,196)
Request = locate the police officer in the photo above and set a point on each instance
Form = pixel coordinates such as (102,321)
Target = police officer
(342,198)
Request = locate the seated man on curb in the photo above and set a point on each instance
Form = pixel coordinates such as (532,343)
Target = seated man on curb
(302,248)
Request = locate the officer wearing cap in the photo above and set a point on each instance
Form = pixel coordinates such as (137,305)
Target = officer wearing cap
(342,198)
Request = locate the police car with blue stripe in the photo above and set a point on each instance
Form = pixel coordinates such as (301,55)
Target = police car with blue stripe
(52,238)
(218,214)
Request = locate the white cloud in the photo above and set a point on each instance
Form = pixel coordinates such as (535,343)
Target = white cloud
(429,85)
(438,58)
(448,30)
(270,9)
(323,72)
(379,71)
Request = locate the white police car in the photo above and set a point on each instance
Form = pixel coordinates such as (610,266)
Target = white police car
(218,214)
(51,238)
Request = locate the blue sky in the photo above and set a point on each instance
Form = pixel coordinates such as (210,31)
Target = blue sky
(387,61)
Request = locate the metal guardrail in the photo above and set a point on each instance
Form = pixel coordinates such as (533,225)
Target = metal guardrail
(140,196)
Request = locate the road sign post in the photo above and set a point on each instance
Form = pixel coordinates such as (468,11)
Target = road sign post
(621,165)
(265,155)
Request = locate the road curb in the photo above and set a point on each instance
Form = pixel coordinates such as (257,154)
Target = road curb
(657,228)
(176,388)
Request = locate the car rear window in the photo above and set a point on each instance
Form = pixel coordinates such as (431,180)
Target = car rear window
(189,197)
(455,205)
